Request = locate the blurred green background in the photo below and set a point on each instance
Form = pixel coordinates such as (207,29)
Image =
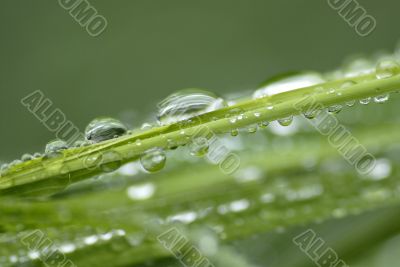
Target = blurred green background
(152,48)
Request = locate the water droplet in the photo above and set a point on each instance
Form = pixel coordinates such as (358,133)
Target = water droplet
(285,121)
(104,128)
(270,107)
(240,117)
(232,120)
(234,132)
(263,124)
(381,98)
(199,147)
(257,114)
(311,114)
(288,82)
(187,103)
(331,91)
(138,142)
(55,146)
(347,84)
(26,157)
(365,101)
(153,160)
(386,69)
(351,103)
(335,109)
(146,126)
(171,144)
(252,129)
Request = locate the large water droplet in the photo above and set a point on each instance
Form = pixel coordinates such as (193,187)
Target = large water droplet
(286,121)
(187,103)
(381,98)
(386,69)
(153,160)
(288,82)
(55,146)
(104,128)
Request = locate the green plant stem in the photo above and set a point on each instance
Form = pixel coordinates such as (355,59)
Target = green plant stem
(52,174)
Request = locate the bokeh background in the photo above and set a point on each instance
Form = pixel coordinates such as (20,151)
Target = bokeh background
(152,48)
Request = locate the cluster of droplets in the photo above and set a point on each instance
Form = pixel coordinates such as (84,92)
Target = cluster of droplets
(188,103)
(100,129)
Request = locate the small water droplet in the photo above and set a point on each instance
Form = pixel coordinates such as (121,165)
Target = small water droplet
(285,121)
(138,142)
(252,129)
(187,103)
(365,101)
(257,114)
(287,82)
(146,126)
(311,114)
(331,91)
(171,144)
(199,147)
(263,124)
(351,103)
(104,128)
(335,109)
(153,160)
(26,157)
(347,84)
(234,132)
(270,107)
(55,146)
(381,98)
(386,69)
